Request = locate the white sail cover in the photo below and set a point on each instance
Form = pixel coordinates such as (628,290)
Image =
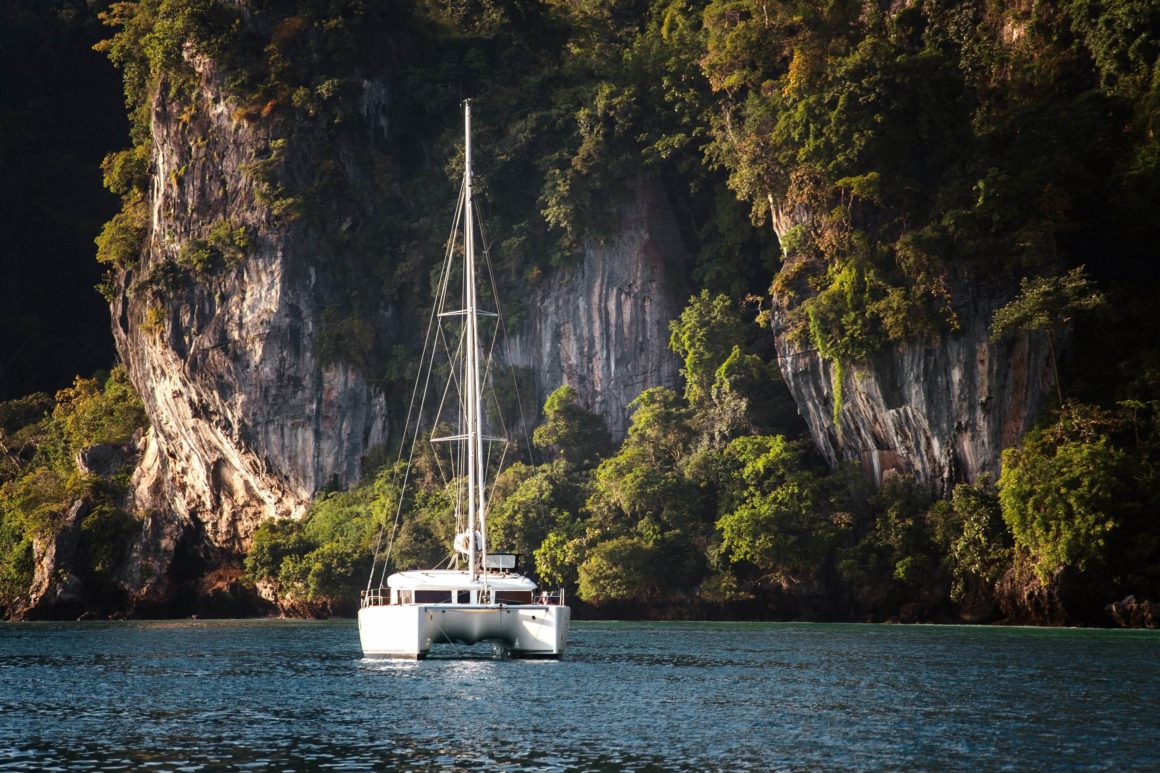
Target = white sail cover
(463,542)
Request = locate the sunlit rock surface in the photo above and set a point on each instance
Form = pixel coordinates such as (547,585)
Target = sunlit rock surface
(247,421)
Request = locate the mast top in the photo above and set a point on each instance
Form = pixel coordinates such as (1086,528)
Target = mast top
(467,144)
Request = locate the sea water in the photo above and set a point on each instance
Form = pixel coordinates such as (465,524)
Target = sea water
(278,695)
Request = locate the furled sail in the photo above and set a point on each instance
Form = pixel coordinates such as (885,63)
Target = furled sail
(463,542)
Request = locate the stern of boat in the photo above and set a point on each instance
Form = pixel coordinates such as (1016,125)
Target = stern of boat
(537,632)
(393,631)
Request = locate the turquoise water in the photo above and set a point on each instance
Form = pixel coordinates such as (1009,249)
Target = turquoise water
(275,695)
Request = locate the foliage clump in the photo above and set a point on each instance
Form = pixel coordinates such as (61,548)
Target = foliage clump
(572,432)
(907,159)
(225,244)
(1047,305)
(1075,492)
(970,529)
(327,554)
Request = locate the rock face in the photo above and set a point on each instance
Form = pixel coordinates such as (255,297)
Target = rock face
(602,326)
(942,410)
(55,588)
(1069,597)
(248,420)
(1131,612)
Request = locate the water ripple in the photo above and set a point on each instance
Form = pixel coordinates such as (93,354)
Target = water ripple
(206,695)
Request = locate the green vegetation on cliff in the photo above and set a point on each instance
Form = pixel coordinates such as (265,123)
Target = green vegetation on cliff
(899,166)
(907,157)
(706,510)
(910,161)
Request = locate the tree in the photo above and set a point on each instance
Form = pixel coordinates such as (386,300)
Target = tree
(556,559)
(1062,491)
(748,396)
(895,558)
(974,539)
(704,336)
(622,568)
(647,516)
(526,506)
(643,485)
(578,435)
(660,426)
(774,513)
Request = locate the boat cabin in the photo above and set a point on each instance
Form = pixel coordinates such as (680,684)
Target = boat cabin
(498,584)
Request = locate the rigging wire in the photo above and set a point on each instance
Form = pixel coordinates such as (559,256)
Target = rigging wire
(435,329)
(443,402)
(490,361)
(432,323)
(501,327)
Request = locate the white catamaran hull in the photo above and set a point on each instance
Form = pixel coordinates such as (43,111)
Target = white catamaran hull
(409,630)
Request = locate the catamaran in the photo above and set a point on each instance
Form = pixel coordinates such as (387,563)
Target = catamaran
(480,596)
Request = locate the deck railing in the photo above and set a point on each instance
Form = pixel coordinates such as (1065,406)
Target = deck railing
(375,597)
(551,599)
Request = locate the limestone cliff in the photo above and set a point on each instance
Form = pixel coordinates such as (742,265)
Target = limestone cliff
(941,410)
(602,326)
(249,419)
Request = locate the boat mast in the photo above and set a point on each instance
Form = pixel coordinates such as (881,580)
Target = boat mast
(475,481)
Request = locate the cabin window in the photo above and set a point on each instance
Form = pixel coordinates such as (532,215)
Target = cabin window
(514,597)
(434,596)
